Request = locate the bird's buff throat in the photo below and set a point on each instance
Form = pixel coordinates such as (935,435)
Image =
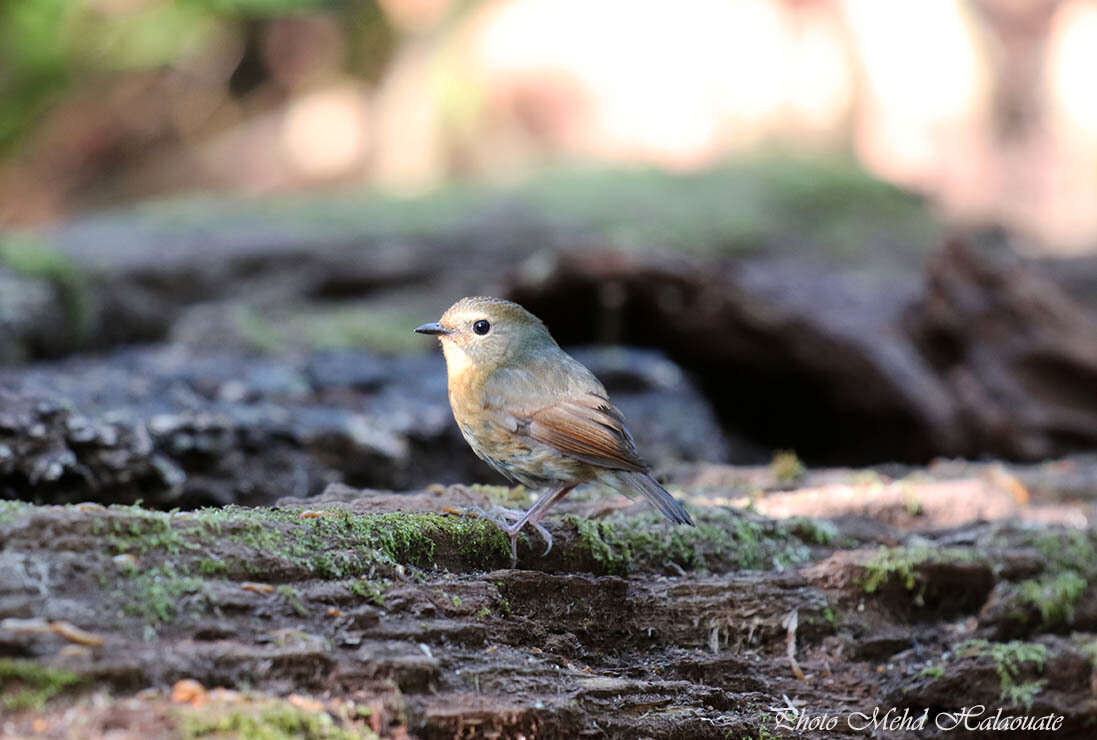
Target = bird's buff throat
(457,359)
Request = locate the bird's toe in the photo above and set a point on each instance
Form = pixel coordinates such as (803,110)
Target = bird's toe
(501,512)
(545,535)
(500,517)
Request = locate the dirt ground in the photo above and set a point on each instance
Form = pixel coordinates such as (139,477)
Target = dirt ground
(803,602)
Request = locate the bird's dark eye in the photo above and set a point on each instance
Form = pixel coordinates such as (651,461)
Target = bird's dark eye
(481,327)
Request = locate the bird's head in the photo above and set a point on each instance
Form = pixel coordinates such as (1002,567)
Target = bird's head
(487,333)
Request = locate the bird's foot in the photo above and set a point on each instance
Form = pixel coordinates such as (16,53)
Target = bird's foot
(511,522)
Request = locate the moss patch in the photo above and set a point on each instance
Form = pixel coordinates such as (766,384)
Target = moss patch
(160,567)
(721,541)
(25,684)
(341,544)
(289,593)
(508,496)
(1066,549)
(30,256)
(1069,558)
(12,510)
(1012,661)
(787,467)
(386,331)
(371,590)
(812,531)
(1054,596)
(158,594)
(776,200)
(901,565)
(267,720)
(749,203)
(1088,647)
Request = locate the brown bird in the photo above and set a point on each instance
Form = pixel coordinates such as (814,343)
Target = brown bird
(535,414)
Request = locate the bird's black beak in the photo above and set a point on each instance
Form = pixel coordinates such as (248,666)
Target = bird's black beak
(433,328)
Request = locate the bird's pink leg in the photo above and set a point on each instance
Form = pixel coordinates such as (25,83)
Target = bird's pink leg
(533,516)
(537,512)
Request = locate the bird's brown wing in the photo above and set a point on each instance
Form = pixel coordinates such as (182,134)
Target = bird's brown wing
(560,403)
(589,429)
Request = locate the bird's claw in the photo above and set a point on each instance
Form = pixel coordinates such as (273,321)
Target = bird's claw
(545,536)
(506,519)
(504,513)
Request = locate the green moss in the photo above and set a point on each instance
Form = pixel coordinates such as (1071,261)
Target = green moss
(12,510)
(346,545)
(155,594)
(600,540)
(786,467)
(213,566)
(383,330)
(721,540)
(502,495)
(812,531)
(289,593)
(343,545)
(1069,559)
(30,256)
(889,563)
(1011,660)
(479,540)
(1066,549)
(25,684)
(901,564)
(367,589)
(272,720)
(1088,648)
(337,546)
(177,553)
(932,671)
(143,531)
(257,332)
(776,201)
(763,734)
(1054,595)
(1022,694)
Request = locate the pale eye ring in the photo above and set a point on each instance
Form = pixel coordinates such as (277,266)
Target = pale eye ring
(481,327)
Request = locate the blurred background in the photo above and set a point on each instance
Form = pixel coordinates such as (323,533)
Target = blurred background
(985,106)
(861,231)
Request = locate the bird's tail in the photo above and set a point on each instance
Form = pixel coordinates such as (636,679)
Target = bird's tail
(643,483)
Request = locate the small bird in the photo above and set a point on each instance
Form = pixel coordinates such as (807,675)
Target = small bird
(535,414)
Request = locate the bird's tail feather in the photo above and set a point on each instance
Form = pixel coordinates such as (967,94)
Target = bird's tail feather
(643,483)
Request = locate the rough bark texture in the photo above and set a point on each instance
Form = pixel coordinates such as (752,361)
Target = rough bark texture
(986,356)
(803,318)
(333,614)
(175,428)
(848,349)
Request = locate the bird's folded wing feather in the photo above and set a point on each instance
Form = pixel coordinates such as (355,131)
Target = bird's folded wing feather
(589,429)
(565,407)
